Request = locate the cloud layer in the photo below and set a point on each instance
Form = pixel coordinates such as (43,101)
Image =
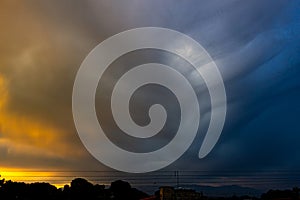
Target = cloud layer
(256,45)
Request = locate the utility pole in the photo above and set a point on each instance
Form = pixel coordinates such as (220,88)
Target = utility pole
(177,178)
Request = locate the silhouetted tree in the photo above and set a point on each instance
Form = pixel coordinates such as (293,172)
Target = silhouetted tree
(13,190)
(37,191)
(66,192)
(100,192)
(281,194)
(122,190)
(82,189)
(2,182)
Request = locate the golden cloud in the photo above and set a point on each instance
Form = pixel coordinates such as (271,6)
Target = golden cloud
(25,135)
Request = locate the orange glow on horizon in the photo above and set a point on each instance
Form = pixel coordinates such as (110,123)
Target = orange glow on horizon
(23,135)
(19,175)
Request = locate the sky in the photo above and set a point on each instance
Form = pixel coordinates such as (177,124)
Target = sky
(255,44)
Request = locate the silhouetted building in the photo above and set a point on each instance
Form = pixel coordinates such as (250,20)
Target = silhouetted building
(188,194)
(151,198)
(166,193)
(169,193)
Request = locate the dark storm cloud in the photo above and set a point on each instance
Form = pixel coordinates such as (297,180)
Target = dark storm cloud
(256,48)
(262,131)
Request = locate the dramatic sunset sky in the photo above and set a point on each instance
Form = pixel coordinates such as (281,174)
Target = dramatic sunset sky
(256,45)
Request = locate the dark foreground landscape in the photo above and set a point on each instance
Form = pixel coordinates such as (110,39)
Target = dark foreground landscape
(80,188)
